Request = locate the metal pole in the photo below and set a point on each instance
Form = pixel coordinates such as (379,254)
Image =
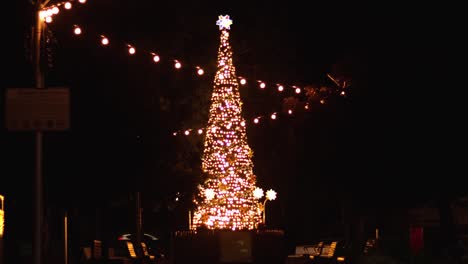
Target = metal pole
(65,238)
(139,220)
(38,216)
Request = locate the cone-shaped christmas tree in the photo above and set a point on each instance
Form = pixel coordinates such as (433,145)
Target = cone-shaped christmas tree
(227,196)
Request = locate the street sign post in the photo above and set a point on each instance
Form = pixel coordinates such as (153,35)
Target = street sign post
(32,109)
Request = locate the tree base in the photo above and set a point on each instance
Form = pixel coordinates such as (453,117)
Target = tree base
(225,246)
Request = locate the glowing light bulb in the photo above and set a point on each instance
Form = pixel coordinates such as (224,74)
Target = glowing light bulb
(242,123)
(42,14)
(177,65)
(55,10)
(131,50)
(82,1)
(156,58)
(262,85)
(290,111)
(174,134)
(200,71)
(104,41)
(77,31)
(280,88)
(298,90)
(68,5)
(322,101)
(187,132)
(200,131)
(210,194)
(48,19)
(243,81)
(256,120)
(273,116)
(342,93)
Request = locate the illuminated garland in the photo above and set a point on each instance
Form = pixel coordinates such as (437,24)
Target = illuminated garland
(290,105)
(319,93)
(48,12)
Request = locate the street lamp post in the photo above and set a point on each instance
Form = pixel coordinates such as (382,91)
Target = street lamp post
(39,80)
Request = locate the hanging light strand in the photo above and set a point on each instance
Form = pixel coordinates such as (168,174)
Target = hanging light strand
(322,92)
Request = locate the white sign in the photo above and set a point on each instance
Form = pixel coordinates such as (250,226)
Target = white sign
(33,109)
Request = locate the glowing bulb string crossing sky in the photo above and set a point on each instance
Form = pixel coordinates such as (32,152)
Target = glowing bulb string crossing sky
(308,91)
(289,107)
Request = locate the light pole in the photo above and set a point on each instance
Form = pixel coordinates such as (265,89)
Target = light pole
(270,196)
(39,79)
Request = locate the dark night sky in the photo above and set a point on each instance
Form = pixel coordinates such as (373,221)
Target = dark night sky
(382,141)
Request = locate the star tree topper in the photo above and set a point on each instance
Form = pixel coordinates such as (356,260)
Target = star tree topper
(224,22)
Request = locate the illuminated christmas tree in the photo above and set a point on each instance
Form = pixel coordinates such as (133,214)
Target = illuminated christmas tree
(227,198)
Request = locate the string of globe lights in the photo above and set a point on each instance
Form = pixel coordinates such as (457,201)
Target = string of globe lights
(47,13)
(318,94)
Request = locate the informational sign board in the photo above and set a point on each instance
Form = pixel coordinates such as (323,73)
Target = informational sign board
(33,109)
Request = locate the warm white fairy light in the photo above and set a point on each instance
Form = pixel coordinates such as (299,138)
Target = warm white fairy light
(68,5)
(200,131)
(243,81)
(42,14)
(273,116)
(256,120)
(280,87)
(48,12)
(48,19)
(200,71)
(156,57)
(262,85)
(187,132)
(298,90)
(209,194)
(290,111)
(82,1)
(77,30)
(104,40)
(55,10)
(177,64)
(131,50)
